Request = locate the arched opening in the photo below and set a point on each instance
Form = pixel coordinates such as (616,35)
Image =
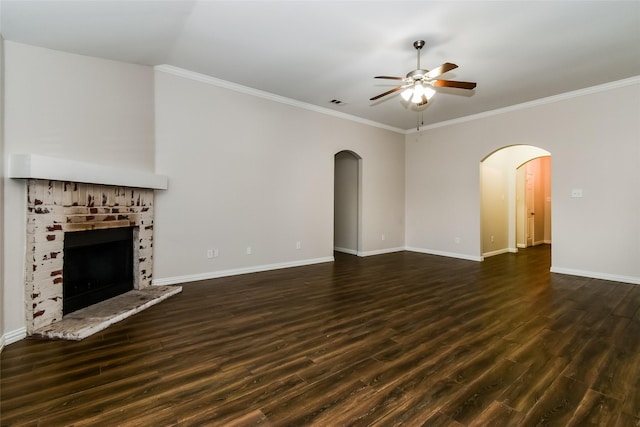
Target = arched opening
(346,206)
(515,193)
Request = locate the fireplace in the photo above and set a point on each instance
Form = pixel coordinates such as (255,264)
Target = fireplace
(98,265)
(62,217)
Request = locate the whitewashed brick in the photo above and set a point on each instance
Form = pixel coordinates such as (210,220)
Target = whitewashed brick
(55,208)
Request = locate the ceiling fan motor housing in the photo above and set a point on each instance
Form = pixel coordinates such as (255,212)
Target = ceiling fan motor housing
(416,74)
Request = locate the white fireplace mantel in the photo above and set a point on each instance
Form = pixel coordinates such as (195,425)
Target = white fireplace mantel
(58,169)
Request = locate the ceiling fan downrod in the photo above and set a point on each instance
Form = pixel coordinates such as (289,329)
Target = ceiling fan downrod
(418,44)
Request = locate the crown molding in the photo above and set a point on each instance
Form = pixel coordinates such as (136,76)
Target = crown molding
(203,78)
(535,103)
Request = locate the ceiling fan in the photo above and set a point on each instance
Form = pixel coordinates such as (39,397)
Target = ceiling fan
(418,84)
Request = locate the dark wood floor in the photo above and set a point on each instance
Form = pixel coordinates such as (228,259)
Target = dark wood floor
(397,339)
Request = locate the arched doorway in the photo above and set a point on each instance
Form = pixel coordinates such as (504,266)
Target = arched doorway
(503,197)
(346,207)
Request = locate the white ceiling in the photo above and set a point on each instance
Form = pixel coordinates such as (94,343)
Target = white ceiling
(316,51)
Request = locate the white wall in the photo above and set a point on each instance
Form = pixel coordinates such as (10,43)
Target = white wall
(345,236)
(593,140)
(495,203)
(2,178)
(76,107)
(246,171)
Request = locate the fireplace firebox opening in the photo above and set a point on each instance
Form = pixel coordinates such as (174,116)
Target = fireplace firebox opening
(98,265)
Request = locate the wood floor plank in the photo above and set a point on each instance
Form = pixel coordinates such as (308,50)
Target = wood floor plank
(497,414)
(529,388)
(586,365)
(62,408)
(474,399)
(612,328)
(423,396)
(558,404)
(441,420)
(618,373)
(631,401)
(228,408)
(399,339)
(596,409)
(362,408)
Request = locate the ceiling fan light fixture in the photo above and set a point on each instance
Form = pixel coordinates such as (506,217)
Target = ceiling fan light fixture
(416,92)
(406,94)
(417,96)
(418,89)
(429,92)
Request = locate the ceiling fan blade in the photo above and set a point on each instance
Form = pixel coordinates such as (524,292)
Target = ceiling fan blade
(447,66)
(453,83)
(389,77)
(395,89)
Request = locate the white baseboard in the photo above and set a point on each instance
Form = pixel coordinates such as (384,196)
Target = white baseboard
(541,242)
(596,275)
(380,251)
(237,271)
(368,253)
(12,336)
(497,252)
(447,254)
(345,250)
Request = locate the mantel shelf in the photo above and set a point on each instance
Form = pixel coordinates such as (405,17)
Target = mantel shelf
(58,169)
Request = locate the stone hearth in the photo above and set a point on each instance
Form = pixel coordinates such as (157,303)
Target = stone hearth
(87,321)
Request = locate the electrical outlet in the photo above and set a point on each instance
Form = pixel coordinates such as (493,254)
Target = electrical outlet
(382,237)
(457,240)
(249,250)
(216,252)
(298,245)
(209,253)
(493,239)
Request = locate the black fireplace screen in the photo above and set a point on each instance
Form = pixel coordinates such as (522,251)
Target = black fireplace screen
(98,265)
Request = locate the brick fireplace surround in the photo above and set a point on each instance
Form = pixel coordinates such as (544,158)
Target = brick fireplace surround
(58,207)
